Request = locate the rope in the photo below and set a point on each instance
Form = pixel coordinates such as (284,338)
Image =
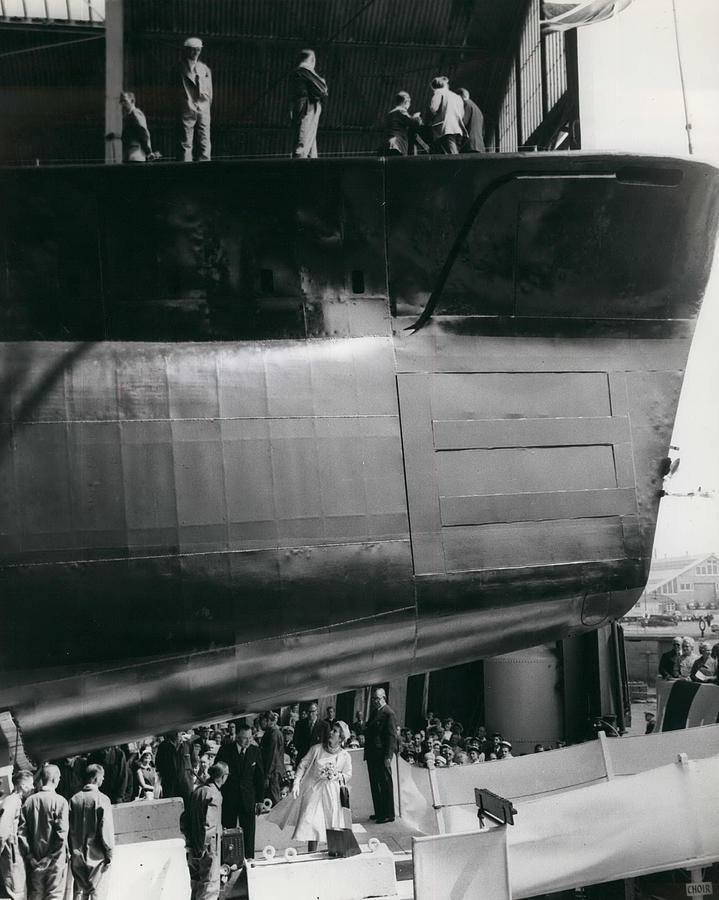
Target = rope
(687,123)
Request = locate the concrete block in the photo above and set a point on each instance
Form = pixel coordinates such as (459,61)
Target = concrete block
(317,877)
(147,820)
(150,871)
(462,866)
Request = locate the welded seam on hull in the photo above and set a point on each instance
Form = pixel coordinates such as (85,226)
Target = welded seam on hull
(194,654)
(294,548)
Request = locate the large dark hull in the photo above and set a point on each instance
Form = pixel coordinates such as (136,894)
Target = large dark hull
(237,477)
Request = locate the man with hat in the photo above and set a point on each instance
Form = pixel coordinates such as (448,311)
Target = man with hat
(196,101)
(669,661)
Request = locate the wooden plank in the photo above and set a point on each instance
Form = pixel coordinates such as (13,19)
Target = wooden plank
(537,507)
(530,432)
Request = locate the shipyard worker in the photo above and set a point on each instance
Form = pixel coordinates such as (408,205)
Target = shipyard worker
(650,721)
(704,669)
(12,865)
(272,750)
(474,123)
(399,127)
(92,838)
(379,750)
(310,730)
(445,117)
(196,102)
(117,782)
(669,661)
(136,144)
(204,834)
(174,765)
(243,790)
(42,834)
(308,92)
(687,658)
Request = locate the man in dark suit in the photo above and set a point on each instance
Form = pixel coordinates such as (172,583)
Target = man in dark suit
(669,661)
(379,750)
(311,730)
(474,123)
(243,791)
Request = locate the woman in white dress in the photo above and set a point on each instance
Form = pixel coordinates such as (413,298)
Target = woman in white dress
(314,803)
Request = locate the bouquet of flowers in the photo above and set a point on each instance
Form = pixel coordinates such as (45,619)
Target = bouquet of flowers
(329,772)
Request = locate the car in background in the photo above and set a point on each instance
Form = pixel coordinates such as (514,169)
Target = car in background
(659,620)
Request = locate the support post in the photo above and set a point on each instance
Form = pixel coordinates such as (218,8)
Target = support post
(114,78)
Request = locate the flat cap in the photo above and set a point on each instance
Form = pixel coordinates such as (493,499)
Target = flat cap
(193,42)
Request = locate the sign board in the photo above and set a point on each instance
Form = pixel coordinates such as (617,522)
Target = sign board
(699,889)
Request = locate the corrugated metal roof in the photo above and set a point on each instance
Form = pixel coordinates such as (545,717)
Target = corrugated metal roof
(438,22)
(366,49)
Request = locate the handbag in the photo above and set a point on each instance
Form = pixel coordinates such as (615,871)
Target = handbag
(345,797)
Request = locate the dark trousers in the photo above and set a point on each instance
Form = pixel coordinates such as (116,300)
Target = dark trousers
(448,144)
(231,818)
(380,782)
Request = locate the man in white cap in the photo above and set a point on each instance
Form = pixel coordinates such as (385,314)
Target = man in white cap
(196,101)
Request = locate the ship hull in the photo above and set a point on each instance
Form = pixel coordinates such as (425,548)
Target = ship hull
(359,468)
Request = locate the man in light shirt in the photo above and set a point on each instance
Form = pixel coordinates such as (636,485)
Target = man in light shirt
(12,865)
(42,834)
(196,102)
(445,117)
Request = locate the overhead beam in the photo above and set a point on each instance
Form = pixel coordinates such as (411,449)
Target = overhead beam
(114,78)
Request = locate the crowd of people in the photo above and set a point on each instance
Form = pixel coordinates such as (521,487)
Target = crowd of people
(684,662)
(451,122)
(294,763)
(443,743)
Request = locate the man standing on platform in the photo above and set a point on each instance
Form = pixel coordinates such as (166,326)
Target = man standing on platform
(272,750)
(474,123)
(196,102)
(243,790)
(92,837)
(379,750)
(310,730)
(445,117)
(42,834)
(204,834)
(309,90)
(12,866)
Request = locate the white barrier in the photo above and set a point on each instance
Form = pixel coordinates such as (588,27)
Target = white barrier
(442,800)
(316,877)
(462,866)
(151,870)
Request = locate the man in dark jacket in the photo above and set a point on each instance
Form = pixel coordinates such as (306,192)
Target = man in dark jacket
(173,762)
(243,790)
(669,661)
(311,730)
(117,777)
(308,91)
(272,750)
(474,123)
(379,750)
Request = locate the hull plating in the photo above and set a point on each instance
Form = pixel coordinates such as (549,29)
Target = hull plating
(236,474)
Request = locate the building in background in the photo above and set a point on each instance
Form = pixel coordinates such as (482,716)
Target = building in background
(680,583)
